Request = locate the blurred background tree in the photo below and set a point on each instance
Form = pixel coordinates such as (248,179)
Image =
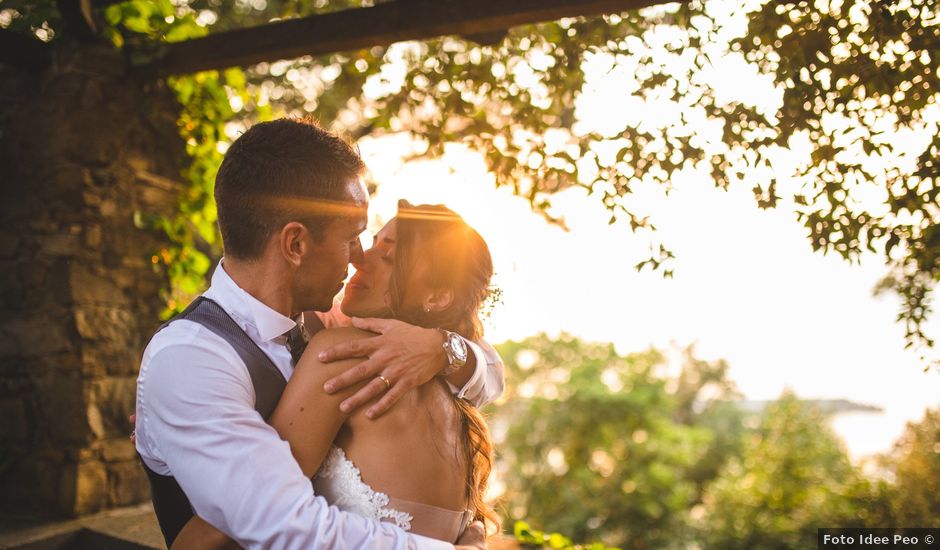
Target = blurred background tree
(596,445)
(793,477)
(643,451)
(850,98)
(914,466)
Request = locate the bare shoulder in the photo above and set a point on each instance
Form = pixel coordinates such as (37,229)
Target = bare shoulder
(311,373)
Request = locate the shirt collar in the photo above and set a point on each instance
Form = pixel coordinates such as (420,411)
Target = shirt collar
(247,310)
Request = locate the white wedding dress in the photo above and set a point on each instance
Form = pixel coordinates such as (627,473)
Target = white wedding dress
(340,482)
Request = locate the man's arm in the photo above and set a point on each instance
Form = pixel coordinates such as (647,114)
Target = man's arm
(408,356)
(238,474)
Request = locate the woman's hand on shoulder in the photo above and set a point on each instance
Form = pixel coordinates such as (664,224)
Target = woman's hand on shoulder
(312,373)
(401,357)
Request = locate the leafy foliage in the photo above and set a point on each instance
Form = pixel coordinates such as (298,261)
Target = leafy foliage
(602,446)
(794,477)
(40,18)
(848,78)
(205,110)
(706,398)
(531,538)
(193,229)
(856,76)
(607,447)
(915,466)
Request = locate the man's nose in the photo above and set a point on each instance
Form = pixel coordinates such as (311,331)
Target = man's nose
(357,257)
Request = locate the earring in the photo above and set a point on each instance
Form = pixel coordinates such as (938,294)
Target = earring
(427,309)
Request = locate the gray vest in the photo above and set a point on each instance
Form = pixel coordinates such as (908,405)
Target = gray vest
(169,502)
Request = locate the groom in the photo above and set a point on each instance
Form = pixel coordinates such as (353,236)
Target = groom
(291,207)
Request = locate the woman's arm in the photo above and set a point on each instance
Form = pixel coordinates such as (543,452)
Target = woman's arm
(306,416)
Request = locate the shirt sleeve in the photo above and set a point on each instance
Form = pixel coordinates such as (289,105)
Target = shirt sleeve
(237,472)
(487,381)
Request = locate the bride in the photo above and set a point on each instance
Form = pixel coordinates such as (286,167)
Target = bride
(424,464)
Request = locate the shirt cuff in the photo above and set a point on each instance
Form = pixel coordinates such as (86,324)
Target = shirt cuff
(426,543)
(478,371)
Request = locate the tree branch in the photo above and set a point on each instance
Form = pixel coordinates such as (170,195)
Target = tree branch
(78,18)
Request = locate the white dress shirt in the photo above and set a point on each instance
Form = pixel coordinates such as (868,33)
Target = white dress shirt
(196,421)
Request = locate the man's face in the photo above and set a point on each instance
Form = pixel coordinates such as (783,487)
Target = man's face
(326,263)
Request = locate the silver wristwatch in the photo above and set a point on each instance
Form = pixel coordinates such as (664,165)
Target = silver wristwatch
(456,349)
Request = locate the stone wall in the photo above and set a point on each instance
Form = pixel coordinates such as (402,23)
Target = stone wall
(83,147)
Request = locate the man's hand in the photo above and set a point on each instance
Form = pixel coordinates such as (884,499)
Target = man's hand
(404,355)
(473,537)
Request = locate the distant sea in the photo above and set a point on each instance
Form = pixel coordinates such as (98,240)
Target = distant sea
(868,433)
(866,429)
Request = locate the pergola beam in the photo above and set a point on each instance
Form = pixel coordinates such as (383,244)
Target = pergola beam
(380,25)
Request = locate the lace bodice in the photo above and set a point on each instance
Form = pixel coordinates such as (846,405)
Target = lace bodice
(340,482)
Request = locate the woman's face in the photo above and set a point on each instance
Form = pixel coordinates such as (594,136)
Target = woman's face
(367,292)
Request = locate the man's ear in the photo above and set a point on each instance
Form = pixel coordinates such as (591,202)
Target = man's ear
(292,242)
(439,299)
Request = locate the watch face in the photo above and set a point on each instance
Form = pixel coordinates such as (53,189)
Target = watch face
(457,346)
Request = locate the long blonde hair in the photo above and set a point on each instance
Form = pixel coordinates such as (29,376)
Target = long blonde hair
(457,258)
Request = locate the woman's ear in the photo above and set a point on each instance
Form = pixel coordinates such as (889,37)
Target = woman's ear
(292,242)
(439,300)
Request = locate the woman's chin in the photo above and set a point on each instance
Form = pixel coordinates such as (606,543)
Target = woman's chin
(348,309)
(351,308)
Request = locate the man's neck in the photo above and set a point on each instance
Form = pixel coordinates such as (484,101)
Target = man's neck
(264,282)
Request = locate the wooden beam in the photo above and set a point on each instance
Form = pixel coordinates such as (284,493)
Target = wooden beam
(380,25)
(79,21)
(23,51)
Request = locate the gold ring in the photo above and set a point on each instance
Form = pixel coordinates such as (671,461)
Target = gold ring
(388,385)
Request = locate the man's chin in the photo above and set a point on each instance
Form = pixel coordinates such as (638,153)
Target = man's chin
(321,306)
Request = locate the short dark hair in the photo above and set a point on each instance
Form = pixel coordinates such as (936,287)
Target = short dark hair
(273,174)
